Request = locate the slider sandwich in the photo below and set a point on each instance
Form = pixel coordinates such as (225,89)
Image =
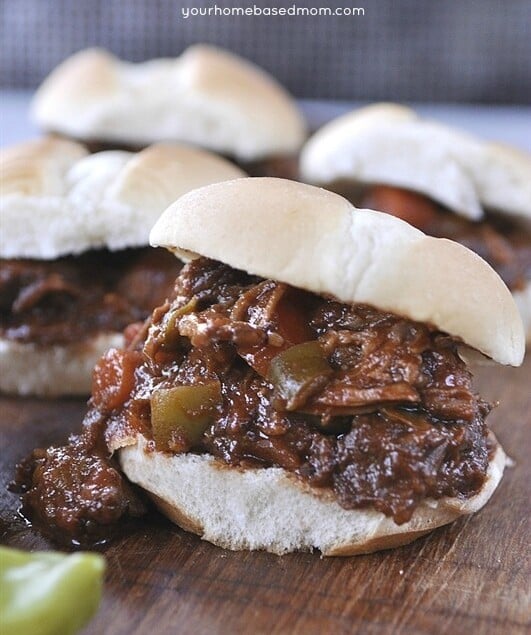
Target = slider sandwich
(301,389)
(441,180)
(206,97)
(75,268)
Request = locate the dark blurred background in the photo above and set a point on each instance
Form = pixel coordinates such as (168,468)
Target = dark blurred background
(411,50)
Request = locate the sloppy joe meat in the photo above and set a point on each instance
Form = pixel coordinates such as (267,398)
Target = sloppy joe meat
(384,419)
(76,493)
(74,298)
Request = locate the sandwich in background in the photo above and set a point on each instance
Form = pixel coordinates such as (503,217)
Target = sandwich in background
(441,180)
(75,265)
(207,97)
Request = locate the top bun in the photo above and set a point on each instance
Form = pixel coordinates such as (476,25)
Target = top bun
(57,199)
(390,145)
(316,240)
(206,97)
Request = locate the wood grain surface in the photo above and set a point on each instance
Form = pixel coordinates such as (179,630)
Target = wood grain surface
(469,577)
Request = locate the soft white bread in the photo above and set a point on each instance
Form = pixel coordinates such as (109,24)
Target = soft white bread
(316,240)
(271,509)
(523,302)
(390,144)
(57,199)
(206,96)
(52,371)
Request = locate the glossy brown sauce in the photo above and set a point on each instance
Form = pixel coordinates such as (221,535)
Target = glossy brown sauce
(75,298)
(75,493)
(391,421)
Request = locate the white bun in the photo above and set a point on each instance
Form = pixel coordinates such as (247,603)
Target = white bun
(316,240)
(206,96)
(26,369)
(57,199)
(523,302)
(390,144)
(272,510)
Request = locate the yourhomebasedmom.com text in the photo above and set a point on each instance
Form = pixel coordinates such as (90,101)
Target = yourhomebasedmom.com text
(292,10)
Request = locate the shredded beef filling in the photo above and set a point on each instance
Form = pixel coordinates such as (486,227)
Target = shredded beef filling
(503,243)
(76,493)
(72,299)
(377,409)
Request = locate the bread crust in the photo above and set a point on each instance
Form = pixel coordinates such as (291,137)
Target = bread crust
(57,199)
(316,240)
(272,510)
(389,144)
(206,96)
(52,371)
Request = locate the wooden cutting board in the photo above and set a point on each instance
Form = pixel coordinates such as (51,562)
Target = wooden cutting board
(469,577)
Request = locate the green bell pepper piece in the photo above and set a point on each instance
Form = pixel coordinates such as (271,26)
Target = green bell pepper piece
(297,372)
(185,411)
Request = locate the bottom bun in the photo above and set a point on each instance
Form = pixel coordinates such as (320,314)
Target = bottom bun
(523,302)
(52,371)
(272,510)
